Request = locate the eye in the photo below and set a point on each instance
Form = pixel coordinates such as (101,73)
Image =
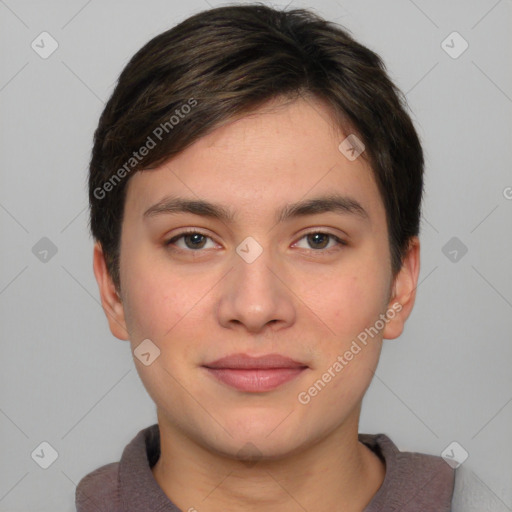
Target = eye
(319,240)
(193,240)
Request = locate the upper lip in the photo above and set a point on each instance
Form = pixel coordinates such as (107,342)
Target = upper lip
(247,362)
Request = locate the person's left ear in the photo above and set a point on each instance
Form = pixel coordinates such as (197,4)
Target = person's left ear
(404,291)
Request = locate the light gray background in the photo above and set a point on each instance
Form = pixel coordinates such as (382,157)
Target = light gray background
(66,380)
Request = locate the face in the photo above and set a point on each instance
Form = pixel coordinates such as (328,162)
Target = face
(264,278)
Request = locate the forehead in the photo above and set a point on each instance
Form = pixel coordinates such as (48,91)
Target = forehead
(255,164)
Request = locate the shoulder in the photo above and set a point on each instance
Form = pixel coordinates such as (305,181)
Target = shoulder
(413,481)
(98,491)
(417,465)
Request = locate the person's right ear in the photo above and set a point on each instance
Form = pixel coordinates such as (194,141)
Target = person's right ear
(110,300)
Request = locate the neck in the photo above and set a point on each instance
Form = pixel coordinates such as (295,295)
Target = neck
(336,473)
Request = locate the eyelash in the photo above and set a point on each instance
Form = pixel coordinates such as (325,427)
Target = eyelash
(339,241)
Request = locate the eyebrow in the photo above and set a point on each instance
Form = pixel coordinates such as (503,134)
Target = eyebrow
(324,204)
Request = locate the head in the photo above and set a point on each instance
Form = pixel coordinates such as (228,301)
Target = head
(216,128)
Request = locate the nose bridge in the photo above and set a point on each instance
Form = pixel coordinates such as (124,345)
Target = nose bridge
(256,274)
(254,293)
(253,275)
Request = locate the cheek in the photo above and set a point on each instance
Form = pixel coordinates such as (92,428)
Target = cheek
(166,304)
(348,302)
(158,297)
(348,355)
(162,305)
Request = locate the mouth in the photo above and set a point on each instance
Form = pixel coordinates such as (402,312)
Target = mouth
(255,374)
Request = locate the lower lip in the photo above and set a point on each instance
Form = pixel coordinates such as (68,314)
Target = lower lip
(255,380)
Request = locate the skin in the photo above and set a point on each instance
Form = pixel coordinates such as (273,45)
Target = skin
(304,298)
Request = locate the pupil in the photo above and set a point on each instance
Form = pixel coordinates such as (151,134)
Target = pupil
(316,235)
(195,237)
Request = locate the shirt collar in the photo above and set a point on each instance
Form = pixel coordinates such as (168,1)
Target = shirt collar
(410,477)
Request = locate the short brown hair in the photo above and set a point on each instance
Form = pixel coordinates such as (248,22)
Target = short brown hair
(227,61)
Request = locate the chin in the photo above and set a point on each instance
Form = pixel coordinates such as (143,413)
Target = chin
(256,449)
(257,438)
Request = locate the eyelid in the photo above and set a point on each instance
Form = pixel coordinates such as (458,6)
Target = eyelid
(340,241)
(189,231)
(325,231)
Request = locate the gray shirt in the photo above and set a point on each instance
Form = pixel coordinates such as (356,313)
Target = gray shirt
(413,481)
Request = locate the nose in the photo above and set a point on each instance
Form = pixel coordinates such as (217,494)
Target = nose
(256,295)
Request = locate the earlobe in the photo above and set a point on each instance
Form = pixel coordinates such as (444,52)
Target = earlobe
(404,292)
(110,299)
